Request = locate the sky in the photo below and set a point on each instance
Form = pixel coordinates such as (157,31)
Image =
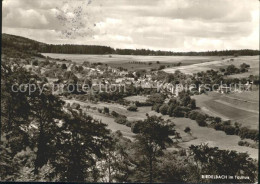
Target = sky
(170,25)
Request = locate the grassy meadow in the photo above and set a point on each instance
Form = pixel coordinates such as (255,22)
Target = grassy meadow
(132,62)
(220,62)
(241,107)
(198,134)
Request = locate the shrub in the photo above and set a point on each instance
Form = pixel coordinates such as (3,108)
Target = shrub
(201,123)
(161,67)
(128,124)
(132,108)
(106,110)
(156,98)
(217,119)
(177,112)
(156,107)
(63,66)
(164,109)
(135,127)
(193,115)
(187,130)
(75,106)
(182,152)
(170,110)
(121,120)
(141,104)
(200,117)
(35,63)
(114,114)
(193,104)
(222,69)
(241,143)
(229,129)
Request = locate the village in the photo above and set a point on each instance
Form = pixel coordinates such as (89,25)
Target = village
(99,75)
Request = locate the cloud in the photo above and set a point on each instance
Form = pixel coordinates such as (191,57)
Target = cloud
(178,25)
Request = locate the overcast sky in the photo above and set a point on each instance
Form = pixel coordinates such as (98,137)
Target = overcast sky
(176,25)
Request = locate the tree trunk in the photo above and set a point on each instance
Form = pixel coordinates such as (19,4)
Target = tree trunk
(151,169)
(40,155)
(109,171)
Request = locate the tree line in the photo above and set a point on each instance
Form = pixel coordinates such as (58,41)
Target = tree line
(28,45)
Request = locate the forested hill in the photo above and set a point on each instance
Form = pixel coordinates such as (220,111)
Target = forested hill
(20,47)
(27,46)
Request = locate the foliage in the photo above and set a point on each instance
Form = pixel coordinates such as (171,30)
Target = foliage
(224,162)
(152,139)
(106,110)
(81,140)
(132,108)
(187,130)
(156,98)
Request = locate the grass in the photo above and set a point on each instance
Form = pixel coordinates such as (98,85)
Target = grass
(253,61)
(212,137)
(240,107)
(198,134)
(123,60)
(113,126)
(252,96)
(136,98)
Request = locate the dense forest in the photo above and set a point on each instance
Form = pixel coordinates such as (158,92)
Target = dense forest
(34,47)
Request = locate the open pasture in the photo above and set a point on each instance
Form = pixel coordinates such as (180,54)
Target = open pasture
(136,98)
(198,134)
(132,62)
(253,61)
(238,107)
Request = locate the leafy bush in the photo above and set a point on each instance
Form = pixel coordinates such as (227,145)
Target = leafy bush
(156,98)
(63,66)
(156,107)
(193,115)
(35,63)
(201,123)
(135,127)
(128,124)
(177,112)
(106,110)
(141,104)
(164,109)
(187,130)
(229,129)
(100,110)
(161,67)
(114,114)
(132,108)
(75,106)
(121,120)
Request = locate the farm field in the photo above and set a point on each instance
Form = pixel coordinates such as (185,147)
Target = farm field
(253,61)
(123,60)
(112,125)
(212,137)
(241,107)
(251,96)
(136,98)
(199,134)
